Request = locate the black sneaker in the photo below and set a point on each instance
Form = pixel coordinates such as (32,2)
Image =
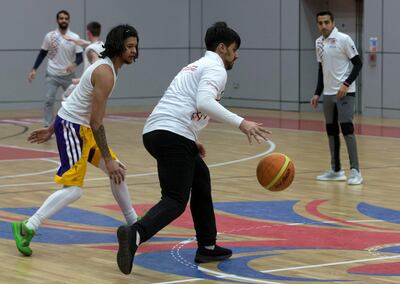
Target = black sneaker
(208,255)
(127,248)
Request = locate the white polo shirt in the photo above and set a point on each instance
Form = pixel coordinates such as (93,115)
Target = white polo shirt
(335,53)
(61,52)
(199,85)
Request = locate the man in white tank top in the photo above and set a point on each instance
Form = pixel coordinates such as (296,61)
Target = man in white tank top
(81,137)
(93,48)
(170,135)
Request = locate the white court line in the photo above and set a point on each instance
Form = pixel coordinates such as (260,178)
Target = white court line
(271,148)
(181,281)
(36,173)
(15,121)
(331,264)
(219,275)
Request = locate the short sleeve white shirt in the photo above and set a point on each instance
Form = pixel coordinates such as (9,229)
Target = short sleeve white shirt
(177,110)
(61,52)
(335,53)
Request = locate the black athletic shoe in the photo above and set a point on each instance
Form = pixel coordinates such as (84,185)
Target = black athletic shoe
(127,248)
(208,255)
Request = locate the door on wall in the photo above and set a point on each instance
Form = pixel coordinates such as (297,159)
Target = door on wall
(348,19)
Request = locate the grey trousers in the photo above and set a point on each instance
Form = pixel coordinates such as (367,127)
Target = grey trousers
(53,83)
(339,112)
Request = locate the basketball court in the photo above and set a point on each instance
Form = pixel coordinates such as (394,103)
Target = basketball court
(311,232)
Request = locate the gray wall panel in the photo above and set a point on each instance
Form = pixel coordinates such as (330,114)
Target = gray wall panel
(390,81)
(391,10)
(151,75)
(254,77)
(290,76)
(24,23)
(290,17)
(372,86)
(372,73)
(160,23)
(256,21)
(196,29)
(308,74)
(15,88)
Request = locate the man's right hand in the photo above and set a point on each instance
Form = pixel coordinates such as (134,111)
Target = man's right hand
(314,101)
(41,135)
(116,171)
(32,75)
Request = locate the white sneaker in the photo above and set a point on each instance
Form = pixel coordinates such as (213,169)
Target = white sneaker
(355,177)
(332,175)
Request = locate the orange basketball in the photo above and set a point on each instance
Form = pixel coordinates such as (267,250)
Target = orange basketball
(275,172)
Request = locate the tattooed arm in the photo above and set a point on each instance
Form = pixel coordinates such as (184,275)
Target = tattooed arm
(103,81)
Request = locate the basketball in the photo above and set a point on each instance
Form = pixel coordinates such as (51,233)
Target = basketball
(275,172)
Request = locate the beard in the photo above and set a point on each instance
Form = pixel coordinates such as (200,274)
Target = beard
(228,65)
(63,26)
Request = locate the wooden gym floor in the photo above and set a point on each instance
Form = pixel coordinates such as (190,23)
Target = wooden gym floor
(312,232)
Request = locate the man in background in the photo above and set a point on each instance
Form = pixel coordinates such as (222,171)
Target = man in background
(63,58)
(339,66)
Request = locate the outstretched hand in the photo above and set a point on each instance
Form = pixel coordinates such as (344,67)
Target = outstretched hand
(254,130)
(40,135)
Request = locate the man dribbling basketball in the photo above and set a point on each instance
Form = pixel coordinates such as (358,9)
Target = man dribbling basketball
(171,136)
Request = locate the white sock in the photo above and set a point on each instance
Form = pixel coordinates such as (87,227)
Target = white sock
(54,203)
(122,196)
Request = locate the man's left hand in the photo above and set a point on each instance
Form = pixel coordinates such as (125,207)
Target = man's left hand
(342,91)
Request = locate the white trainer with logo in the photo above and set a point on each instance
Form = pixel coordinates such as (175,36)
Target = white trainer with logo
(355,177)
(332,176)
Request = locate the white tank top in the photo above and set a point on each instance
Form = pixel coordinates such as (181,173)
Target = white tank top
(78,106)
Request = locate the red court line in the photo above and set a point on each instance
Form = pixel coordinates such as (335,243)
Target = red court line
(296,124)
(307,124)
(12,153)
(312,208)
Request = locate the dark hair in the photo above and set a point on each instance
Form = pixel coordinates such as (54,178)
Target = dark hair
(94,28)
(62,12)
(325,13)
(220,33)
(115,40)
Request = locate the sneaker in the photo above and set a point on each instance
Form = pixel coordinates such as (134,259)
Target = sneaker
(23,236)
(208,255)
(127,248)
(355,177)
(332,175)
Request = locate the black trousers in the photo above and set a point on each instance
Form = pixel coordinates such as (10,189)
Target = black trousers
(182,174)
